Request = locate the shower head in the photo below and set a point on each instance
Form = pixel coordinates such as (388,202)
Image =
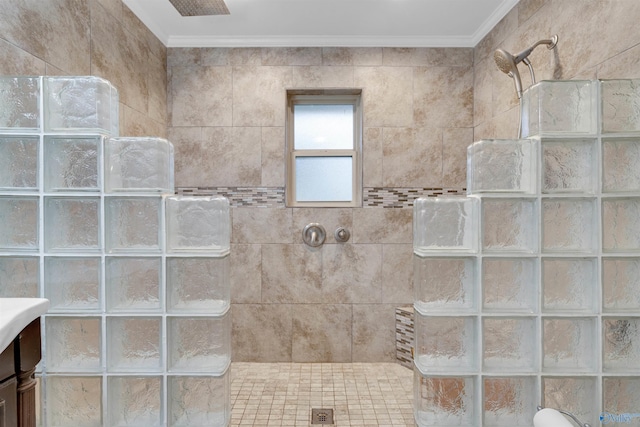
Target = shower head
(508,63)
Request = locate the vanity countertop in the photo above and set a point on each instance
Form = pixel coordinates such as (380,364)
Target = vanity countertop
(16,314)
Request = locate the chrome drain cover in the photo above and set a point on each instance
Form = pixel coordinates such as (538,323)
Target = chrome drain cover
(321,416)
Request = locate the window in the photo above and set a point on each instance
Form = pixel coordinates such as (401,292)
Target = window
(324,140)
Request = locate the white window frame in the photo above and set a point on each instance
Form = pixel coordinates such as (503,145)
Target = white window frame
(330,97)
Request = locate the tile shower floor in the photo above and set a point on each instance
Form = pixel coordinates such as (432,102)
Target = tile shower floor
(282,394)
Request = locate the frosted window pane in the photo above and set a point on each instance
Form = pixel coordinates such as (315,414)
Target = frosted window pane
(324,179)
(320,127)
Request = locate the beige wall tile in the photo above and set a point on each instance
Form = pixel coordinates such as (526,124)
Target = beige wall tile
(186,57)
(397,274)
(291,274)
(233,155)
(374,333)
(412,157)
(330,219)
(623,66)
(362,56)
(67,33)
(190,165)
(259,95)
(15,61)
(292,56)
(490,42)
(121,58)
(157,86)
(245,278)
(483,91)
(443,96)
(387,95)
(264,225)
(139,124)
(526,9)
(261,332)
(372,156)
(201,96)
(322,77)
(351,273)
(273,157)
(114,7)
(376,225)
(454,156)
(231,56)
(321,333)
(434,57)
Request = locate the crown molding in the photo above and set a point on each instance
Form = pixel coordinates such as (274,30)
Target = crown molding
(319,41)
(492,21)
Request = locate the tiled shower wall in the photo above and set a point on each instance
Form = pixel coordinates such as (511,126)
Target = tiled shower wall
(226,120)
(597,39)
(90,37)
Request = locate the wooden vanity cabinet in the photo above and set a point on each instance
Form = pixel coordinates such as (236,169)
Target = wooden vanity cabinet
(17,383)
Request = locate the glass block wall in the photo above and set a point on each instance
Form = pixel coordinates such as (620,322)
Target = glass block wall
(138,331)
(528,289)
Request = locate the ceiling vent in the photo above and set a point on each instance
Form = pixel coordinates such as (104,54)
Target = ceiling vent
(200,7)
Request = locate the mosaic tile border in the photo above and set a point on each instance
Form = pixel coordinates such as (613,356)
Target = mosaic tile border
(273,197)
(404,336)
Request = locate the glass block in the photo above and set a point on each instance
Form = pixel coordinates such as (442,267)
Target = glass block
(499,166)
(620,159)
(198,285)
(202,401)
(621,344)
(19,162)
(445,224)
(569,225)
(443,343)
(134,401)
(578,395)
(621,225)
(132,224)
(199,344)
(20,99)
(324,179)
(621,284)
(569,344)
(19,223)
(73,284)
(72,224)
(198,224)
(323,126)
(134,344)
(559,107)
(139,164)
(570,285)
(569,166)
(19,277)
(444,401)
(620,105)
(80,104)
(509,401)
(71,163)
(509,344)
(621,396)
(444,283)
(510,284)
(73,401)
(133,284)
(73,344)
(509,225)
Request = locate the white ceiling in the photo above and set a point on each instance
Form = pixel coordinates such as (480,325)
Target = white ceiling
(400,23)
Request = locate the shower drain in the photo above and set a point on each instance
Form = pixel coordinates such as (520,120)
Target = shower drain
(321,416)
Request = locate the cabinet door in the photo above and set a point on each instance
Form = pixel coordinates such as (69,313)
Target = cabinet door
(8,403)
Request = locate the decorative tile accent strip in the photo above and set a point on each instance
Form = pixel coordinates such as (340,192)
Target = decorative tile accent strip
(404,197)
(404,336)
(273,197)
(267,197)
